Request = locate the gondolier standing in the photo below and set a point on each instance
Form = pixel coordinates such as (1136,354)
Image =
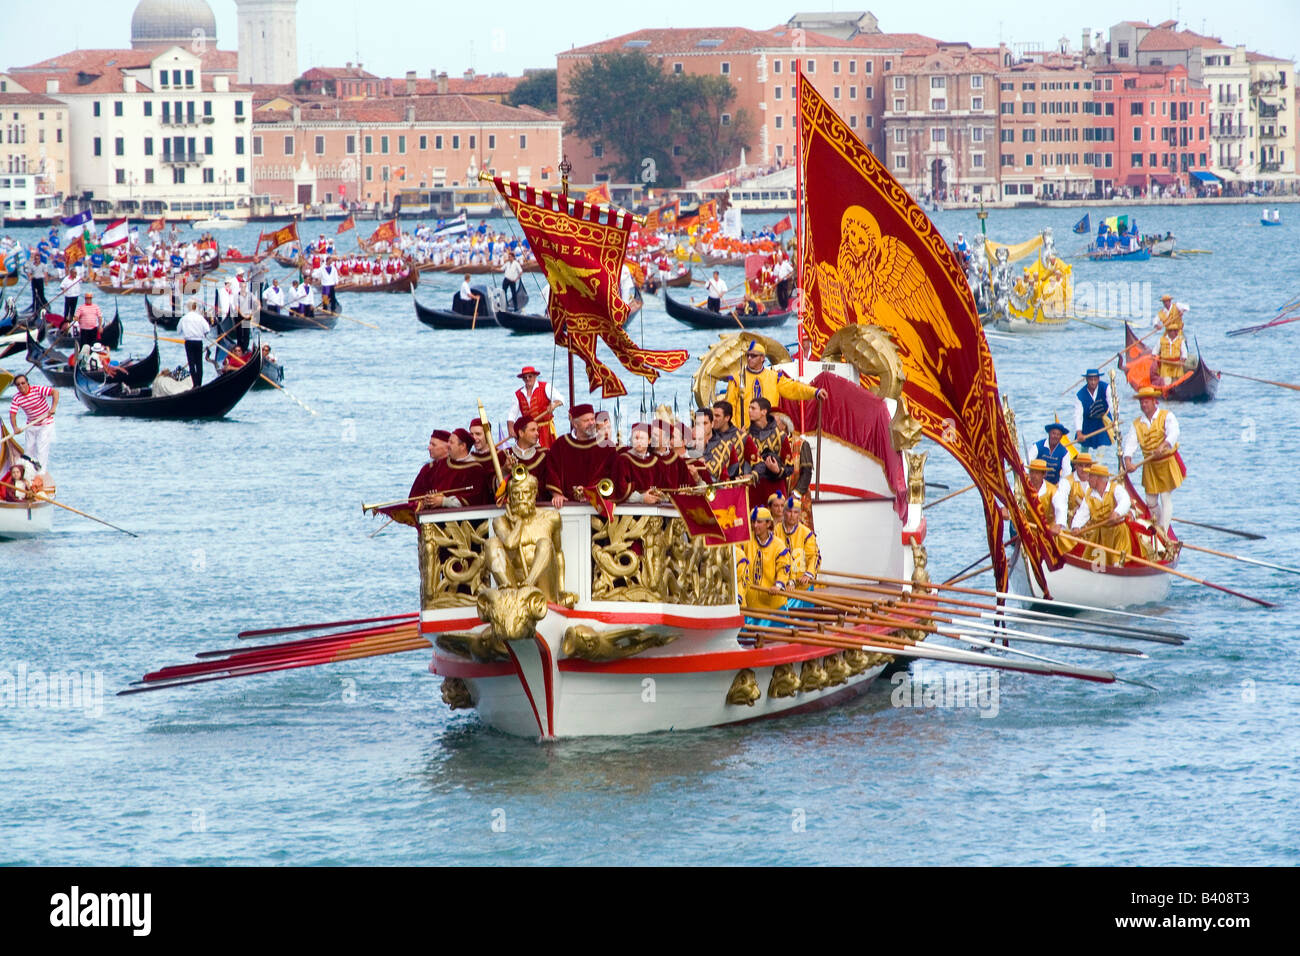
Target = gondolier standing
(1156,432)
(39,414)
(88,322)
(70,289)
(37,269)
(328,277)
(247,307)
(193,327)
(716,289)
(534,401)
(1091,403)
(510,281)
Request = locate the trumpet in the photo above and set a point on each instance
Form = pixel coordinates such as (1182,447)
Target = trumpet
(604,487)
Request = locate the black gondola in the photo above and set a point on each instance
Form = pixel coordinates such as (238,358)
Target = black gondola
(520,323)
(211,400)
(111,335)
(1200,385)
(273,371)
(286,321)
(704,319)
(451,319)
(167,320)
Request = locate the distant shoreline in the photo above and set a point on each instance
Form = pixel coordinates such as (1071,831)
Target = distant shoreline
(1088,203)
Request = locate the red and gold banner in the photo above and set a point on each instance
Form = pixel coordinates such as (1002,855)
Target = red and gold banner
(158,225)
(582,248)
(346,224)
(386,232)
(668,213)
(722,519)
(278,238)
(783,226)
(75,251)
(872,257)
(708,211)
(598,501)
(598,195)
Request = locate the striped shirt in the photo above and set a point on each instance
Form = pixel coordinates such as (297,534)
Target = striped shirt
(33,404)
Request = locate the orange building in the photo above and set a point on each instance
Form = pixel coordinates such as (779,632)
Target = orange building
(1048,144)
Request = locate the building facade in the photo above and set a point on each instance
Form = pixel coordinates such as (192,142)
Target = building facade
(34,157)
(1049,147)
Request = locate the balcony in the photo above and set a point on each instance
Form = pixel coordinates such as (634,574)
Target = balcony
(1228,132)
(1228,99)
(1267,111)
(1270,167)
(182,159)
(1269,132)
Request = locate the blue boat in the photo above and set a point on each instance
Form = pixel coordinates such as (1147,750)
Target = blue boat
(1105,255)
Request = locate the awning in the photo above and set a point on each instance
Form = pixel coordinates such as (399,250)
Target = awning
(1162,179)
(1135,179)
(1203,177)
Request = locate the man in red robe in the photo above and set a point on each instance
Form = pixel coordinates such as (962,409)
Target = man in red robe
(578,460)
(424,480)
(534,400)
(637,469)
(458,480)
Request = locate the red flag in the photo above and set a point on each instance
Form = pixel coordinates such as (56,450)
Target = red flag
(158,225)
(399,172)
(278,238)
(346,224)
(870,256)
(386,232)
(668,214)
(598,195)
(75,251)
(582,249)
(720,519)
(783,226)
(599,501)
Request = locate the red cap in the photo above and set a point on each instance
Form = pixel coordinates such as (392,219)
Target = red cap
(478,422)
(577,411)
(528,370)
(522,422)
(465,437)
(440,434)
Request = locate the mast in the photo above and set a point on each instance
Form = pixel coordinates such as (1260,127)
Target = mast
(798,219)
(566,167)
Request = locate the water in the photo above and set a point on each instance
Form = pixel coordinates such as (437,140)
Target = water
(255,520)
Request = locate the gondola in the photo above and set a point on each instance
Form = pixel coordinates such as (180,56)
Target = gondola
(273,371)
(110,335)
(211,400)
(682,281)
(704,319)
(54,366)
(450,319)
(521,323)
(164,320)
(286,321)
(1201,384)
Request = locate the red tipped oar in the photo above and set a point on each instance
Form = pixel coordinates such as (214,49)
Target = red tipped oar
(1262,381)
(327,624)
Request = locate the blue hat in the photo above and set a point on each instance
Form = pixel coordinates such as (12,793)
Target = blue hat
(1055,426)
(1091,372)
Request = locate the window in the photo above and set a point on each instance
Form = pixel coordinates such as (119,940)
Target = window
(148,177)
(523,140)
(1028,107)
(812,66)
(1135,108)
(977,134)
(350,145)
(778,121)
(239,107)
(977,82)
(437,142)
(898,106)
(853,66)
(239,174)
(1028,86)
(176,77)
(239,146)
(370,144)
(977,103)
(677,67)
(1028,136)
(900,82)
(1137,134)
(424,143)
(938,82)
(119,176)
(776,67)
(119,146)
(1008,136)
(167,111)
(148,145)
(889,65)
(900,135)
(94,108)
(257,146)
(835,66)
(1137,160)
(940,104)
(162,78)
(117,107)
(726,119)
(288,146)
(383,145)
(492,140)
(776,93)
(473,141)
(1007,108)
(1029,159)
(455,144)
(370,174)
(207,145)
(835,93)
(900,160)
(178,175)
(209,176)
(977,160)
(726,68)
(871,121)
(867,66)
(320,145)
(853,92)
(148,107)
(869,93)
(207,107)
(1008,160)
(189,77)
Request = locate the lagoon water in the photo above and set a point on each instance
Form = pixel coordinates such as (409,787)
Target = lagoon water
(255,521)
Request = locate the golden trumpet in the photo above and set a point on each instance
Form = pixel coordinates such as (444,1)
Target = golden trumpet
(605,487)
(519,473)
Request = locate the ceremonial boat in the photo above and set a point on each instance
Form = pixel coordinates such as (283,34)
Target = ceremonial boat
(287,262)
(211,400)
(405,283)
(707,319)
(283,320)
(1198,384)
(1078,581)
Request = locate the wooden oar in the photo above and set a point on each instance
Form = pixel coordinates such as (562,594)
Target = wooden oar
(294,628)
(161,338)
(340,315)
(1095,325)
(1214,527)
(1160,567)
(1238,557)
(275,384)
(952,494)
(1080,381)
(973,574)
(1259,328)
(1262,381)
(59,504)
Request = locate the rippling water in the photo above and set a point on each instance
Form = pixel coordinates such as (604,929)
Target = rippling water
(255,520)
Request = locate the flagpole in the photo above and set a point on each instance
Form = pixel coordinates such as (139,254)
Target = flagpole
(565,168)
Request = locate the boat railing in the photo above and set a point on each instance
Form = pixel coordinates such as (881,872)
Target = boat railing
(642,554)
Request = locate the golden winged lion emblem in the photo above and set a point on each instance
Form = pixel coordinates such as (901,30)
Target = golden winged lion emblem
(562,275)
(877,280)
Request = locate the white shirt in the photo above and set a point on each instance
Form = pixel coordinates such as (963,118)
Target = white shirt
(193,326)
(71,284)
(514,270)
(299,296)
(784,269)
(1082,515)
(226,301)
(716,288)
(274,296)
(328,276)
(1131,445)
(466,293)
(1078,408)
(1060,500)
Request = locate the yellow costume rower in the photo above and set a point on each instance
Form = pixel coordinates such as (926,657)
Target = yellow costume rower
(1156,432)
(1076,486)
(1100,517)
(763,562)
(801,542)
(756,380)
(1048,500)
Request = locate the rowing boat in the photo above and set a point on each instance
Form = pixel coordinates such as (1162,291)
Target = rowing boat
(706,319)
(451,319)
(1198,384)
(282,320)
(211,400)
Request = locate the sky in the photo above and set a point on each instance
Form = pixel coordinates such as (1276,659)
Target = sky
(510,35)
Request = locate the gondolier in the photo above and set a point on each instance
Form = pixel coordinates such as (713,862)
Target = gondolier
(1156,432)
(756,380)
(534,400)
(328,277)
(716,289)
(38,271)
(88,322)
(1171,314)
(70,289)
(510,281)
(1053,451)
(273,298)
(247,308)
(1049,501)
(38,404)
(193,327)
(1172,350)
(1091,404)
(784,276)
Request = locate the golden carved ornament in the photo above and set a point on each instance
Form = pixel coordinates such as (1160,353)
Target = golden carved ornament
(916,476)
(652,558)
(857,661)
(613,644)
(744,689)
(837,672)
(452,566)
(726,357)
(481,645)
(920,576)
(455,694)
(512,613)
(524,550)
(784,682)
(870,350)
(812,676)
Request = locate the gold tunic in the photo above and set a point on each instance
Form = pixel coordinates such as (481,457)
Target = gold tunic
(1164,475)
(1115,538)
(1171,357)
(763,565)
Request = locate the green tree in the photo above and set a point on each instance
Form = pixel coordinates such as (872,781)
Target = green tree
(698,105)
(620,101)
(537,88)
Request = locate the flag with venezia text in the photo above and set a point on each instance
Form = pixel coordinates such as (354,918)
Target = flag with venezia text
(345,225)
(872,257)
(582,247)
(719,518)
(386,232)
(278,238)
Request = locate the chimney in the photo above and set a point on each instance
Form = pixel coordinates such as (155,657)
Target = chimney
(297,115)
(347,65)
(410,82)
(51,86)
(433,74)
(442,82)
(469,74)
(128,84)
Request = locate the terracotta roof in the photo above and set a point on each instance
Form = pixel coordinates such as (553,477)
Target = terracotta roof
(452,108)
(28,99)
(469,86)
(337,73)
(708,40)
(895,41)
(100,71)
(1168,40)
(944,62)
(1253,57)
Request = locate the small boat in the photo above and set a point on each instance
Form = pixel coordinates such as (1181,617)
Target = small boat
(111,335)
(705,319)
(521,323)
(1267,220)
(451,319)
(286,261)
(399,284)
(217,222)
(25,519)
(282,320)
(164,319)
(54,365)
(1105,255)
(1078,582)
(210,400)
(1200,384)
(273,371)
(1163,247)
(234,255)
(682,281)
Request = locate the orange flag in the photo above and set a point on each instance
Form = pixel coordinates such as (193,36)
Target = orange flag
(386,232)
(598,195)
(75,251)
(346,224)
(582,248)
(278,238)
(158,225)
(872,257)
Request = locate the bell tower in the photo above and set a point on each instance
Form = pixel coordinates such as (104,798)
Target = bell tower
(268,41)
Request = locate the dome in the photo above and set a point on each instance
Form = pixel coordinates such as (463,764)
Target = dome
(167,22)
